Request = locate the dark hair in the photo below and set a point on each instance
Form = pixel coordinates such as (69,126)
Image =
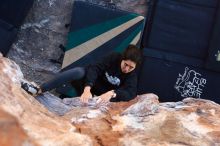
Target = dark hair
(132,53)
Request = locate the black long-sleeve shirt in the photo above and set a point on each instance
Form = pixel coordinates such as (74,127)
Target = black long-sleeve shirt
(107,75)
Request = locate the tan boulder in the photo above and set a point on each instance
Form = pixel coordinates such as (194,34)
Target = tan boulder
(140,122)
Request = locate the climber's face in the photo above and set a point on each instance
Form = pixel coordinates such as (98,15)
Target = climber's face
(127,66)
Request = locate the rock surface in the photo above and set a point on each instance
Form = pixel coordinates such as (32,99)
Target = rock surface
(140,122)
(11,132)
(42,126)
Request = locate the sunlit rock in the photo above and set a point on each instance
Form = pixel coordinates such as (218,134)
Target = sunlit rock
(147,104)
(11,133)
(44,127)
(143,121)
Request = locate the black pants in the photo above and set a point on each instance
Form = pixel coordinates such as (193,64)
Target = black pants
(74,76)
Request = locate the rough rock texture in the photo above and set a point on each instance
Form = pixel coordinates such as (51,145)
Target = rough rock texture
(42,126)
(11,133)
(44,30)
(141,122)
